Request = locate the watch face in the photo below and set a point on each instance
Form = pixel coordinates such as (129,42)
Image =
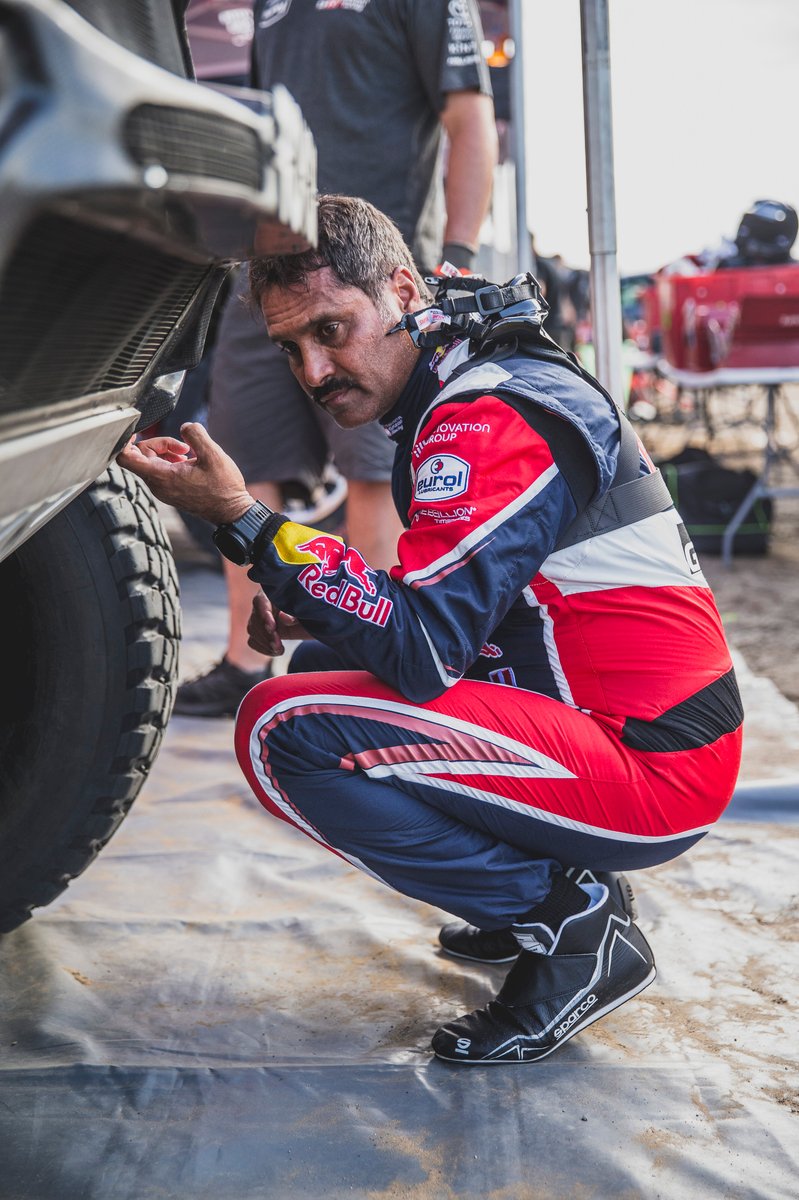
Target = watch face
(236,540)
(234,547)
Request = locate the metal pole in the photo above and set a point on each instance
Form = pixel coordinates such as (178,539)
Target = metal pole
(524,253)
(605,291)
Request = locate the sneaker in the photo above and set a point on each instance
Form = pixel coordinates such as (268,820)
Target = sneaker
(595,962)
(500,946)
(219,692)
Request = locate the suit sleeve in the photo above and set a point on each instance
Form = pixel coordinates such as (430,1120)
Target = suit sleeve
(446,44)
(489,503)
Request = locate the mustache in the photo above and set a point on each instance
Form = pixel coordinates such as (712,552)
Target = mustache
(332,385)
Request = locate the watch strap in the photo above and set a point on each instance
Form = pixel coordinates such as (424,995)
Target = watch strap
(250,523)
(251,531)
(267,532)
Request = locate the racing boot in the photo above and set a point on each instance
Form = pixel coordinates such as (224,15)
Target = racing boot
(569,973)
(500,946)
(479,945)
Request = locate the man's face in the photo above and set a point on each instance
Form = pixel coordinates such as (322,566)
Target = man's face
(335,338)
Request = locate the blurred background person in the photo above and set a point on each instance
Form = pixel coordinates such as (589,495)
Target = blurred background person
(385,86)
(554,276)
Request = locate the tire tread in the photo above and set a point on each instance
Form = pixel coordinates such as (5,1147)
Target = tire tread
(143,570)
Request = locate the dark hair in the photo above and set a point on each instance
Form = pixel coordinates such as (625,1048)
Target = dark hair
(360,244)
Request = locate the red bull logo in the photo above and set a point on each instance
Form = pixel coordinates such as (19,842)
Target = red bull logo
(333,556)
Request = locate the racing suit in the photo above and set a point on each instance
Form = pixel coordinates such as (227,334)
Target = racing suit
(523,691)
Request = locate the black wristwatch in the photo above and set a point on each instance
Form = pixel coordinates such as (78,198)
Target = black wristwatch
(240,540)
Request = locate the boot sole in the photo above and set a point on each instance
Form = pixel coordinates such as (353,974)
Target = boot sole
(578,1027)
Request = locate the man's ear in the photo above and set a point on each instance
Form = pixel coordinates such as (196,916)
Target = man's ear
(404,288)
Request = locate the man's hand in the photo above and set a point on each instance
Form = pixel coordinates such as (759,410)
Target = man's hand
(267,627)
(194,475)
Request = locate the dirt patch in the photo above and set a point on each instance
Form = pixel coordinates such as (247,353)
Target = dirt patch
(76,975)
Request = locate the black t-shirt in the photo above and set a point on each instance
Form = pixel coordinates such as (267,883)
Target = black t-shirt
(371,77)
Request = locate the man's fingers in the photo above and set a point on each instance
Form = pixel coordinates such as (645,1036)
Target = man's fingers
(194,475)
(200,441)
(167,449)
(164,446)
(261,606)
(138,459)
(128,453)
(168,445)
(261,628)
(266,627)
(289,627)
(262,619)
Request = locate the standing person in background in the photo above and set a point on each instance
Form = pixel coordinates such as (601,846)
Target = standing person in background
(379,83)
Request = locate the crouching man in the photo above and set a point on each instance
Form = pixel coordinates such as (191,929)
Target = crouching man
(541,681)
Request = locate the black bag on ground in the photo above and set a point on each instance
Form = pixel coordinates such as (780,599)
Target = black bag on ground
(708,495)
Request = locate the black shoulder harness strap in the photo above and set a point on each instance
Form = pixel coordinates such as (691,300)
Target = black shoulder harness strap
(632,496)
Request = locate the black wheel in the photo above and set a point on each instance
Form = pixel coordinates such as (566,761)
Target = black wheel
(91,627)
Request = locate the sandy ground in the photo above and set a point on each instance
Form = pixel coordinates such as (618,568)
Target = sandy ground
(759,601)
(221,1010)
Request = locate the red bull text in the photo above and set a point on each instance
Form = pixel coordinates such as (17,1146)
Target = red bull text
(332,556)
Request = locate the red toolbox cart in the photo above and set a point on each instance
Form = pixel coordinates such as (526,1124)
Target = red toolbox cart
(741,319)
(727,328)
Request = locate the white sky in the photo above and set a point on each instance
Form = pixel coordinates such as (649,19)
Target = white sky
(705,114)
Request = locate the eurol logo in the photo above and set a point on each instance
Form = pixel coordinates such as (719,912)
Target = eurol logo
(441,477)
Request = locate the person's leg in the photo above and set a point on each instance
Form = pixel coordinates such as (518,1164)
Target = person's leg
(315,656)
(365,768)
(471,802)
(458,938)
(326,752)
(261,417)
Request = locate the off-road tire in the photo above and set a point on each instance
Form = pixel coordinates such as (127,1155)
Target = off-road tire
(91,625)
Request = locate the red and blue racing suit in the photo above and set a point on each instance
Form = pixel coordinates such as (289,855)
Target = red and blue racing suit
(509,699)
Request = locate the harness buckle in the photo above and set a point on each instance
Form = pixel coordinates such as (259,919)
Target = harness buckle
(486,307)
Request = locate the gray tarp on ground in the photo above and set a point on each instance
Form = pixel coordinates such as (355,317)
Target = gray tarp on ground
(220,1009)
